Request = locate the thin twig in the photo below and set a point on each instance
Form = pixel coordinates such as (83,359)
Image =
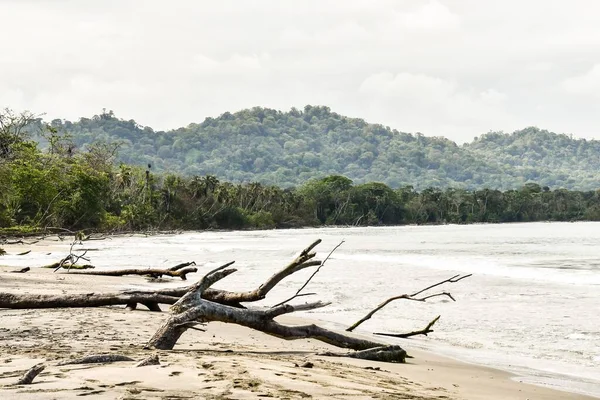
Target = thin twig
(310,278)
(454,279)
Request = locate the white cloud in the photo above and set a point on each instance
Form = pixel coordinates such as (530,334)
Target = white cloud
(587,84)
(426,102)
(430,16)
(454,67)
(410,87)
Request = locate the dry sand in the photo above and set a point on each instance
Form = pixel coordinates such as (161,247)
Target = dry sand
(225,362)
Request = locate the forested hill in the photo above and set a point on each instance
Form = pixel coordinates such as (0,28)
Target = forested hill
(289,148)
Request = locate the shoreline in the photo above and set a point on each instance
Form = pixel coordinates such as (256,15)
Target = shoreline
(232,361)
(11,234)
(571,384)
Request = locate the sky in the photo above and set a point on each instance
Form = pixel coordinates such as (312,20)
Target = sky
(453,68)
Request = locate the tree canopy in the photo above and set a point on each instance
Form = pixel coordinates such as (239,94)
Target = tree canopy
(289,148)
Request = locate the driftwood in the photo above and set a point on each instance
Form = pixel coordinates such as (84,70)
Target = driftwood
(30,301)
(200,303)
(21,271)
(180,270)
(423,331)
(31,374)
(304,260)
(152,360)
(96,359)
(394,354)
(58,265)
(19,241)
(162,296)
(413,297)
(72,259)
(192,309)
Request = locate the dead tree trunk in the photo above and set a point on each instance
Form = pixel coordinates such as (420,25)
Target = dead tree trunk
(192,309)
(151,272)
(22,301)
(205,311)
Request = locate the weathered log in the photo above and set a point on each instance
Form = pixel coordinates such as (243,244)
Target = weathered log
(193,308)
(96,359)
(262,320)
(24,301)
(393,354)
(31,374)
(152,272)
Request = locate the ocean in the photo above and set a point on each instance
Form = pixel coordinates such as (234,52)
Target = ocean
(532,306)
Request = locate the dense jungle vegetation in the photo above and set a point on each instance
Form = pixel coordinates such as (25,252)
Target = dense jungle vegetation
(289,148)
(75,187)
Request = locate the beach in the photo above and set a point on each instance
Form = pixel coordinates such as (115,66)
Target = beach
(224,362)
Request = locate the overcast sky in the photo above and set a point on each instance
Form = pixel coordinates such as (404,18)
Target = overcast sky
(454,68)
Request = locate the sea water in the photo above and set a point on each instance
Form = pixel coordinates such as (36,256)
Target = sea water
(532,306)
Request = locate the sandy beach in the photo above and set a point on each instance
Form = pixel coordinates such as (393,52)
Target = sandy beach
(224,362)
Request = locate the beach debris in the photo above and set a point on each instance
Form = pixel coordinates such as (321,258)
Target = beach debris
(307,364)
(391,354)
(21,271)
(412,297)
(19,241)
(24,253)
(152,360)
(200,304)
(97,359)
(423,331)
(180,270)
(34,301)
(196,305)
(72,259)
(31,374)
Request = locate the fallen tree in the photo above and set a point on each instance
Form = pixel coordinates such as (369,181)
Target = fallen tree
(200,303)
(192,309)
(180,270)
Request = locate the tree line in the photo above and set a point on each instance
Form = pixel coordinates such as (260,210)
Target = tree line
(66,187)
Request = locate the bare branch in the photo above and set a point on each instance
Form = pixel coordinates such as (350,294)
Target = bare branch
(454,279)
(286,308)
(423,331)
(152,272)
(235,298)
(310,278)
(31,374)
(196,291)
